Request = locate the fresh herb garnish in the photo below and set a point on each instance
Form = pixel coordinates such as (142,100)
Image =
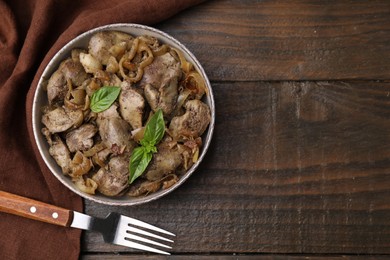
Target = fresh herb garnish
(103,98)
(142,155)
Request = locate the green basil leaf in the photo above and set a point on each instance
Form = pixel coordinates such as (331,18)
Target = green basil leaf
(141,156)
(103,98)
(149,148)
(154,130)
(139,160)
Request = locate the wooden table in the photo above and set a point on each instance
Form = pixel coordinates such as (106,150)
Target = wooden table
(299,164)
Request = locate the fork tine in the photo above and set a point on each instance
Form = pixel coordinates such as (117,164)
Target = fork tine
(140,223)
(124,238)
(146,233)
(142,239)
(131,244)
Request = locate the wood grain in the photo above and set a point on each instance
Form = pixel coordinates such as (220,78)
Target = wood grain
(294,167)
(299,164)
(283,40)
(32,209)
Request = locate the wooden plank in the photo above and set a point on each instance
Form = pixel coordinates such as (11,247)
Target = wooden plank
(287,40)
(294,167)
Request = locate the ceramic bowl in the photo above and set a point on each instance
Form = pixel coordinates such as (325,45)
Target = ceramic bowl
(40,100)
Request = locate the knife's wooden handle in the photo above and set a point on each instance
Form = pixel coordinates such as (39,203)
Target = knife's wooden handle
(25,207)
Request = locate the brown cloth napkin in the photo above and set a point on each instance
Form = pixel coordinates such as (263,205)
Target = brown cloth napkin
(30,34)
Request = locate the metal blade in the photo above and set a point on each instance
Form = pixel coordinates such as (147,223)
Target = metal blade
(131,244)
(142,239)
(81,221)
(139,223)
(146,233)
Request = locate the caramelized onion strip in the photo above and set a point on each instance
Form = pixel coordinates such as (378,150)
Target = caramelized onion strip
(196,84)
(154,45)
(181,99)
(80,165)
(88,185)
(75,98)
(95,149)
(139,47)
(185,65)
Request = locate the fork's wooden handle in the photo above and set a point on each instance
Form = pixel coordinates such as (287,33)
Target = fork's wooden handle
(25,207)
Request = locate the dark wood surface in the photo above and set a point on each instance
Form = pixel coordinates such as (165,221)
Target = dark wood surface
(299,164)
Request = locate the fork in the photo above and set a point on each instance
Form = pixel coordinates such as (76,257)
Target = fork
(115,228)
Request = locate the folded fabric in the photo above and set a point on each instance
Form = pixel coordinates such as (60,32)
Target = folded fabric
(31,32)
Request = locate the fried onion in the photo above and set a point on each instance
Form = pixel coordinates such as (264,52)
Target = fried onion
(135,68)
